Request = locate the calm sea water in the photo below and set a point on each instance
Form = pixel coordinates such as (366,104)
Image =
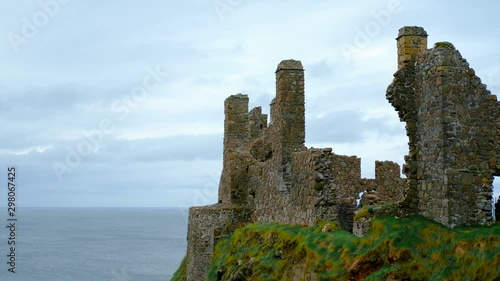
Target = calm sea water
(95,244)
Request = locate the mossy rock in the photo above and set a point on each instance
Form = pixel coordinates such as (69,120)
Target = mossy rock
(390,209)
(446,45)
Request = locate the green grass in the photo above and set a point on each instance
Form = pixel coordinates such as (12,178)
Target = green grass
(180,274)
(413,248)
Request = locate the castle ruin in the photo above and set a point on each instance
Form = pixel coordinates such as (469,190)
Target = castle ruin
(453,125)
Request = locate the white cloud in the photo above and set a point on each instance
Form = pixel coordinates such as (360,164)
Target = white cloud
(25,151)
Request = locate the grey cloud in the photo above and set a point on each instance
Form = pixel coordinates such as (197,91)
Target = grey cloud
(321,68)
(114,183)
(178,148)
(346,126)
(204,147)
(43,102)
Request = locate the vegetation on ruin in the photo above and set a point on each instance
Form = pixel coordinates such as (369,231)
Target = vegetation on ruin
(389,209)
(444,45)
(413,248)
(180,274)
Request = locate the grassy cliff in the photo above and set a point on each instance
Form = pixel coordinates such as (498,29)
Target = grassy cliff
(180,274)
(411,248)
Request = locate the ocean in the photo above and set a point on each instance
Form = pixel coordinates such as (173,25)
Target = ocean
(94,244)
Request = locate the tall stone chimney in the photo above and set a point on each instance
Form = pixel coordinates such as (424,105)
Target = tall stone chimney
(412,40)
(289,108)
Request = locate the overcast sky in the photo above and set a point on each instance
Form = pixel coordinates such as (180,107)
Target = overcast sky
(120,102)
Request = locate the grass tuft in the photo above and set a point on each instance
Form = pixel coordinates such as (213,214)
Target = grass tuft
(181,273)
(447,45)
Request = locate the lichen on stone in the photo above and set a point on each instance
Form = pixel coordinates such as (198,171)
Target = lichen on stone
(444,44)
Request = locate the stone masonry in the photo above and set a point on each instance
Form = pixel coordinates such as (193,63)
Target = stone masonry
(453,126)
(207,225)
(269,175)
(387,186)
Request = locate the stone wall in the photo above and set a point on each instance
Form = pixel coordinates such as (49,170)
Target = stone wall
(387,187)
(207,225)
(323,187)
(236,133)
(452,125)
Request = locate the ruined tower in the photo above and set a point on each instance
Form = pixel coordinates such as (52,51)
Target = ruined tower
(452,126)
(232,188)
(290,112)
(288,115)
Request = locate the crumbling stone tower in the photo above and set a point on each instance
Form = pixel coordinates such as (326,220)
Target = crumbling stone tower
(452,122)
(288,116)
(233,184)
(288,110)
